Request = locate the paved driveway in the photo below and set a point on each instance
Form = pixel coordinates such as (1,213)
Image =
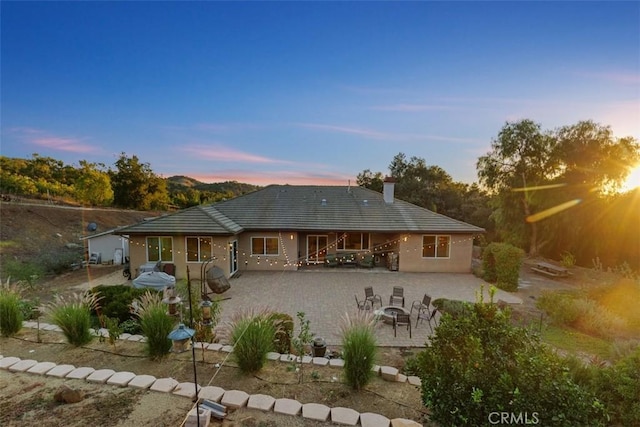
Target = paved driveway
(326,295)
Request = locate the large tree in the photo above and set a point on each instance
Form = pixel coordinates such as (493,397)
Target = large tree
(135,186)
(93,186)
(519,162)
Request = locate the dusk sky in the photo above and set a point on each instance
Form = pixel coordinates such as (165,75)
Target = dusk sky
(306,92)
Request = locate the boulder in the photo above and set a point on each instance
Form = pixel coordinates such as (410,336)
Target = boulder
(66,394)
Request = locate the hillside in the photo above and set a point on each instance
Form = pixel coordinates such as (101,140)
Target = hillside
(41,233)
(183,183)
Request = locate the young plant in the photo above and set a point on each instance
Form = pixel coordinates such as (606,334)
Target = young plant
(301,341)
(10,313)
(155,323)
(113,326)
(359,349)
(252,337)
(73,316)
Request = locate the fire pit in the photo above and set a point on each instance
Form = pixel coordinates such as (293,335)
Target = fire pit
(389,312)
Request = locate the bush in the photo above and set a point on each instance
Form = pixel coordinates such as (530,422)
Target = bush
(252,337)
(59,261)
(25,272)
(116,300)
(526,377)
(501,263)
(73,316)
(453,308)
(130,327)
(27,308)
(359,349)
(10,314)
(155,324)
(283,324)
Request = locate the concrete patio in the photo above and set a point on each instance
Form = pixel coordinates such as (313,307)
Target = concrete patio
(325,295)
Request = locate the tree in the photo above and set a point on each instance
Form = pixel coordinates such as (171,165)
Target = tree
(370,180)
(93,186)
(135,186)
(519,161)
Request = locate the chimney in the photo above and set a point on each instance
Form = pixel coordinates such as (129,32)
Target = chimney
(388,188)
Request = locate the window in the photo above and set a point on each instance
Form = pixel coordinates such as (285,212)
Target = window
(264,246)
(353,241)
(435,246)
(159,249)
(199,249)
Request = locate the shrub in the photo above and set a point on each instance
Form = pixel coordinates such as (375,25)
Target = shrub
(10,314)
(526,377)
(359,349)
(27,308)
(283,324)
(155,324)
(453,308)
(568,260)
(116,300)
(130,327)
(252,335)
(559,307)
(501,263)
(73,316)
(24,272)
(59,261)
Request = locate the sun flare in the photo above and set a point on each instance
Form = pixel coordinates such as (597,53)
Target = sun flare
(632,181)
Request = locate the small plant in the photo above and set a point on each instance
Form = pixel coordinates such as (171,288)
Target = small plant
(315,375)
(113,326)
(567,259)
(73,316)
(597,264)
(130,327)
(10,314)
(252,335)
(359,349)
(155,323)
(301,341)
(283,324)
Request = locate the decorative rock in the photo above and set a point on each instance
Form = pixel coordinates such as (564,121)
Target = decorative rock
(61,371)
(6,362)
(273,356)
(186,390)
(66,394)
(165,385)
(287,406)
(121,378)
(211,393)
(369,419)
(27,324)
(142,381)
(100,376)
(315,411)
(346,416)
(135,338)
(389,373)
(41,368)
(320,361)
(413,380)
(401,378)
(337,363)
(261,402)
(403,422)
(23,365)
(376,369)
(125,336)
(235,399)
(80,373)
(47,327)
(215,346)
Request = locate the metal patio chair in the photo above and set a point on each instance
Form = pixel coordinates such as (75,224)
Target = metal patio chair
(371,297)
(421,306)
(363,304)
(397,295)
(401,319)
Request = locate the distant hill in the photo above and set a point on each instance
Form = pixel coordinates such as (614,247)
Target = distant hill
(181,183)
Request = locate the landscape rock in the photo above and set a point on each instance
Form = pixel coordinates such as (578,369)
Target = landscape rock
(66,394)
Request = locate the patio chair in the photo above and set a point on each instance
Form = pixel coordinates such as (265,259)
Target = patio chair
(363,304)
(401,319)
(429,316)
(371,297)
(421,306)
(397,295)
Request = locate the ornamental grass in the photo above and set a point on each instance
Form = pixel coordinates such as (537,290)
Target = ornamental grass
(155,324)
(10,314)
(252,334)
(73,315)
(359,349)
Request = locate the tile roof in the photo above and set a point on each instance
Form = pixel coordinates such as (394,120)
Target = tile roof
(304,208)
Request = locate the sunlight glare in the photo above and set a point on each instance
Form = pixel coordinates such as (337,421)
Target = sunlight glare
(632,181)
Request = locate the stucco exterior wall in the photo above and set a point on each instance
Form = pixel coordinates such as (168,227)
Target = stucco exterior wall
(286,259)
(459,260)
(106,245)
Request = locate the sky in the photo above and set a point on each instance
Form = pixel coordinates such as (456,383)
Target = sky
(307,92)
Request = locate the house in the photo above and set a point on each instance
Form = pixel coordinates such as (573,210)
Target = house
(111,248)
(287,227)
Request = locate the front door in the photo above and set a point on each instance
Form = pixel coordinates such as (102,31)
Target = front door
(233,257)
(316,248)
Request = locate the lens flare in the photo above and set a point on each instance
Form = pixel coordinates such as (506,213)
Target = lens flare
(552,211)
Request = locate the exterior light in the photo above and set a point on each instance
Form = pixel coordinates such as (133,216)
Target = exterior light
(181,338)
(206,312)
(172,301)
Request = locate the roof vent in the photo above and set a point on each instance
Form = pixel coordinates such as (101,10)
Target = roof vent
(324,202)
(365,202)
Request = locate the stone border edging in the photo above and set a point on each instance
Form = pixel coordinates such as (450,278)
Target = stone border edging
(230,398)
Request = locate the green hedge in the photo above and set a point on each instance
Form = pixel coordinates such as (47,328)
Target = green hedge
(501,263)
(116,301)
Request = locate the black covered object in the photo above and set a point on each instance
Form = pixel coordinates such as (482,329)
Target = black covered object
(216,280)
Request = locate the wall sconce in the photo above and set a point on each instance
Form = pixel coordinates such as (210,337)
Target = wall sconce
(172,301)
(291,237)
(181,338)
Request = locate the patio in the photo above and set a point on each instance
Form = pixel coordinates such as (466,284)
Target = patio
(326,295)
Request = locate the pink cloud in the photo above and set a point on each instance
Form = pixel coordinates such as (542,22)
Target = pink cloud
(225,154)
(43,139)
(276,177)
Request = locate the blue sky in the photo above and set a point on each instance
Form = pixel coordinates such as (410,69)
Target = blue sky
(305,92)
